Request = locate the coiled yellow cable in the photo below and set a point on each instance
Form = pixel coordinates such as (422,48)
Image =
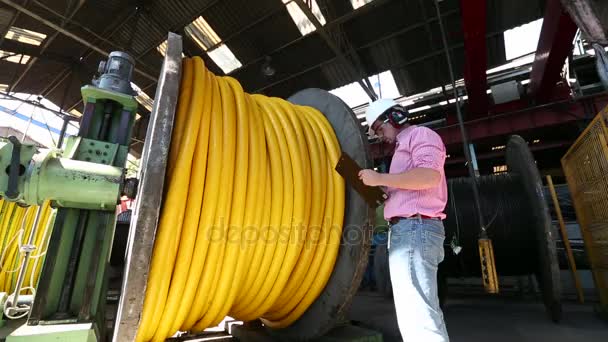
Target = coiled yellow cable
(252,218)
(16,223)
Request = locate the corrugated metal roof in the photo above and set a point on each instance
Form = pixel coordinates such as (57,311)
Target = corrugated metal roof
(386,35)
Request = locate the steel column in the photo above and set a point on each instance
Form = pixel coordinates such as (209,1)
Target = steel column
(554,45)
(474,29)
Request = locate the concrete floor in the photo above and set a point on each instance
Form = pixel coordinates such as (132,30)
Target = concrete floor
(484,318)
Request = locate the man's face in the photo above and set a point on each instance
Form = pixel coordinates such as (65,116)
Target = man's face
(385,131)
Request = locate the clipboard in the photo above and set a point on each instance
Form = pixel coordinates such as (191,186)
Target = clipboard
(349,170)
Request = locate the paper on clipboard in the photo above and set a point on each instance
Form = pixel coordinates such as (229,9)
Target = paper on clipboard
(349,169)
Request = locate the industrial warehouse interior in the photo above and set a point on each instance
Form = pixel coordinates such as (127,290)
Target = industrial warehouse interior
(303,170)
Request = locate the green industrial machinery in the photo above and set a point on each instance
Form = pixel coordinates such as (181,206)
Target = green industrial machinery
(84,181)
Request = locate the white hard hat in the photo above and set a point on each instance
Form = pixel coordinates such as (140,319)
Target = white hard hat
(376,109)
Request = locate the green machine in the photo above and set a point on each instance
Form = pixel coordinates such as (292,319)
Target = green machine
(84,181)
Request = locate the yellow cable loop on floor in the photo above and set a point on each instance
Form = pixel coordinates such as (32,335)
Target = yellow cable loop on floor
(252,217)
(16,223)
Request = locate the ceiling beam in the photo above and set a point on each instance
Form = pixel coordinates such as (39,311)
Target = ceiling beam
(67,33)
(110,31)
(473,14)
(11,23)
(356,73)
(591,17)
(373,43)
(554,45)
(18,48)
(501,153)
(403,64)
(47,42)
(521,120)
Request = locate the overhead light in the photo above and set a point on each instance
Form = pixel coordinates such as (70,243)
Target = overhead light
(500,168)
(498,148)
(3,88)
(267,69)
(25,36)
(536,141)
(419,109)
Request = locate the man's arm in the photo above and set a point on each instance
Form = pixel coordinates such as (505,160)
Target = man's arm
(419,178)
(428,158)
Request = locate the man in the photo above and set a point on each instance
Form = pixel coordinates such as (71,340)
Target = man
(417,192)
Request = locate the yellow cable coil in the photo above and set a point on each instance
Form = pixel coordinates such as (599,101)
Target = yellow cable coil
(16,224)
(252,218)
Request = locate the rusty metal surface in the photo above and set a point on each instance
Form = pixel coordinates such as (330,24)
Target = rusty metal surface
(586,166)
(142,231)
(591,16)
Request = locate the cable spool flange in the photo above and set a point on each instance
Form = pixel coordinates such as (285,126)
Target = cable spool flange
(518,223)
(521,162)
(352,255)
(335,299)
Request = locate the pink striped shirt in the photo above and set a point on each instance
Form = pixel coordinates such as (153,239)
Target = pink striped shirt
(417,146)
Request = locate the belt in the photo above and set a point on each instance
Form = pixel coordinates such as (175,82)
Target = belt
(396,219)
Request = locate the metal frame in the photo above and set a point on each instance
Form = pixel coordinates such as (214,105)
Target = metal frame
(585,166)
(554,45)
(142,232)
(66,33)
(476,62)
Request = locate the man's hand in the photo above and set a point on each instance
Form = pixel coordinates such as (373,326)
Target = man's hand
(370,177)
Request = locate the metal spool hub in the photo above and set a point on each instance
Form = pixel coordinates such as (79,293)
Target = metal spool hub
(350,265)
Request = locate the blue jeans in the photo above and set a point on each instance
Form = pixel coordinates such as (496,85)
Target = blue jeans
(415,250)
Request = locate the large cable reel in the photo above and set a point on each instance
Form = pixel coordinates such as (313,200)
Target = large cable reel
(331,304)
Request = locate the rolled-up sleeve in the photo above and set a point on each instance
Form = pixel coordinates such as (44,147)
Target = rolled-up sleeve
(427,149)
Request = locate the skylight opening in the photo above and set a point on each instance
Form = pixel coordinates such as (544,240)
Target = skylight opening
(305,26)
(522,40)
(13,58)
(208,40)
(359,3)
(224,58)
(383,84)
(162,48)
(142,98)
(202,34)
(25,36)
(75,112)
